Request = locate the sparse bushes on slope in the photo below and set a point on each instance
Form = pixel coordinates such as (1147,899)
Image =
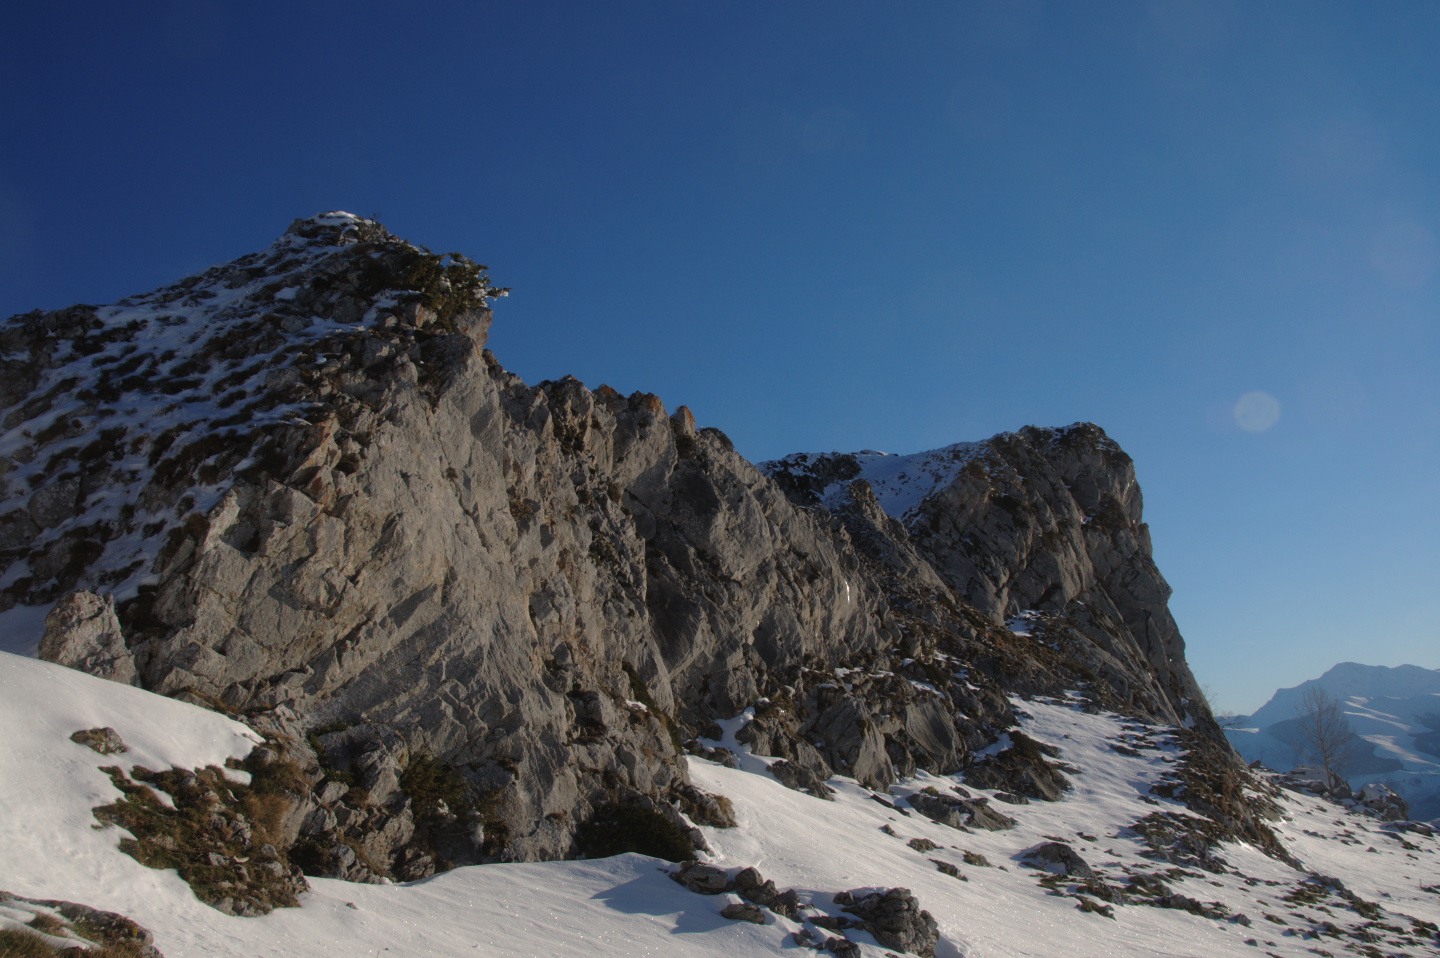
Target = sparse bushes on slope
(616,829)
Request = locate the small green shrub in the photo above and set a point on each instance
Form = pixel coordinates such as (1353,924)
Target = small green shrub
(685,446)
(617,829)
(201,836)
(448,284)
(429,782)
(345,777)
(309,855)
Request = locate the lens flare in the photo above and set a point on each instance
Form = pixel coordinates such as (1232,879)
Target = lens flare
(1257,411)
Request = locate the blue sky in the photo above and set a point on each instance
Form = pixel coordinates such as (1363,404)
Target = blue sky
(847,225)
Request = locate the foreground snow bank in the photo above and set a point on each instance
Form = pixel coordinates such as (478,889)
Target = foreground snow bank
(987,901)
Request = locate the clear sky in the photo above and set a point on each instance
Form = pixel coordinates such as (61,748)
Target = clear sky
(1209,227)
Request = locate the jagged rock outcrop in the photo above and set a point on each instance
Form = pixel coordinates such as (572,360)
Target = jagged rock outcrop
(1384,802)
(1044,523)
(960,812)
(321,505)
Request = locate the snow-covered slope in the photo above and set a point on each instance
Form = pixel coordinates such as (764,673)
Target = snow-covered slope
(50,848)
(1395,711)
(900,483)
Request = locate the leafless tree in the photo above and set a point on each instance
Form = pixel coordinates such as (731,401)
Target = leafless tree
(1324,730)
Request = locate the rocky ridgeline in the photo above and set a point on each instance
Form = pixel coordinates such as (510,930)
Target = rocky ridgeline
(1043,525)
(469,613)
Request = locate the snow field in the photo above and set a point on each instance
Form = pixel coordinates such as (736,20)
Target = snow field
(49,848)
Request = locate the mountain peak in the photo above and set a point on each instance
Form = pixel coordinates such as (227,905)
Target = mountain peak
(121,420)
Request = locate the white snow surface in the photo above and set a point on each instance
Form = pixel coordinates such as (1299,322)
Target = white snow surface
(900,483)
(622,906)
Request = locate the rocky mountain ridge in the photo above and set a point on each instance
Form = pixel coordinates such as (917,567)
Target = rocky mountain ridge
(322,507)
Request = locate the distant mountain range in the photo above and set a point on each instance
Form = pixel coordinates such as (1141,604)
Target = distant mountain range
(1395,714)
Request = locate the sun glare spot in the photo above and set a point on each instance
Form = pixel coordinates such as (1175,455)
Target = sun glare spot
(1257,411)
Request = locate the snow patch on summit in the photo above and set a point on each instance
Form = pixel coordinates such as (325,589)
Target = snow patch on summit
(900,483)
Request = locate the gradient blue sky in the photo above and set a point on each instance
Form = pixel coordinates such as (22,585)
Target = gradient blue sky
(842,225)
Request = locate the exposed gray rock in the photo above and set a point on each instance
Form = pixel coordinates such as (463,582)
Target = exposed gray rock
(960,812)
(1315,779)
(82,632)
(1384,802)
(983,816)
(1021,769)
(801,779)
(702,807)
(896,920)
(754,887)
(53,504)
(1059,858)
(1044,520)
(703,879)
(743,911)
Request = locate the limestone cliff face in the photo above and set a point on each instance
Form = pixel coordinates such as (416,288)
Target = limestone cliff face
(321,505)
(1043,526)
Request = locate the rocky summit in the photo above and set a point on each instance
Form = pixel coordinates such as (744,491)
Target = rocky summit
(477,620)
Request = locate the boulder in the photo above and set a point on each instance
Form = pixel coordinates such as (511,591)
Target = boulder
(743,911)
(801,779)
(1384,802)
(703,879)
(1057,857)
(960,812)
(1314,778)
(896,920)
(703,807)
(755,888)
(82,632)
(106,740)
(1021,769)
